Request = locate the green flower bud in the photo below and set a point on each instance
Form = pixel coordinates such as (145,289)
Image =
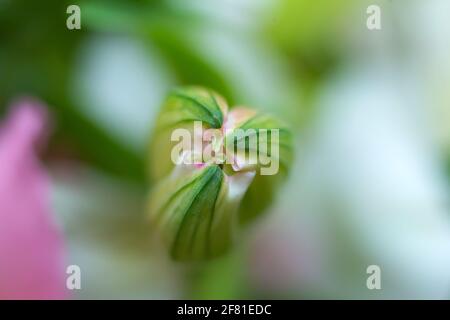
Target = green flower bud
(213,170)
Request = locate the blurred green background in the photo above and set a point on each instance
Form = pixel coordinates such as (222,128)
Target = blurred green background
(370,110)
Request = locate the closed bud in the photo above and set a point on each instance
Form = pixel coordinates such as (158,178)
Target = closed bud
(213,169)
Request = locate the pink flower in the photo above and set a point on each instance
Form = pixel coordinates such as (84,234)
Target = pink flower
(31,247)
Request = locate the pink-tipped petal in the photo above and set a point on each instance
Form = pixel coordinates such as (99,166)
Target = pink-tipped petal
(236,117)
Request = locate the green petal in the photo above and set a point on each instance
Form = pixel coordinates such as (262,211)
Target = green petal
(264,187)
(181,109)
(196,210)
(187,104)
(283,142)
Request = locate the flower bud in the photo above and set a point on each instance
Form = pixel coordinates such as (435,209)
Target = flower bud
(213,170)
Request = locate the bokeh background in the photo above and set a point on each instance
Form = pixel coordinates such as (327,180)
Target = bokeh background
(370,112)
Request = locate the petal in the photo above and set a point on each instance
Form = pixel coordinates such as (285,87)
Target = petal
(31,249)
(270,155)
(196,210)
(237,116)
(183,108)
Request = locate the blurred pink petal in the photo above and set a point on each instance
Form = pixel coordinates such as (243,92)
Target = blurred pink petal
(31,248)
